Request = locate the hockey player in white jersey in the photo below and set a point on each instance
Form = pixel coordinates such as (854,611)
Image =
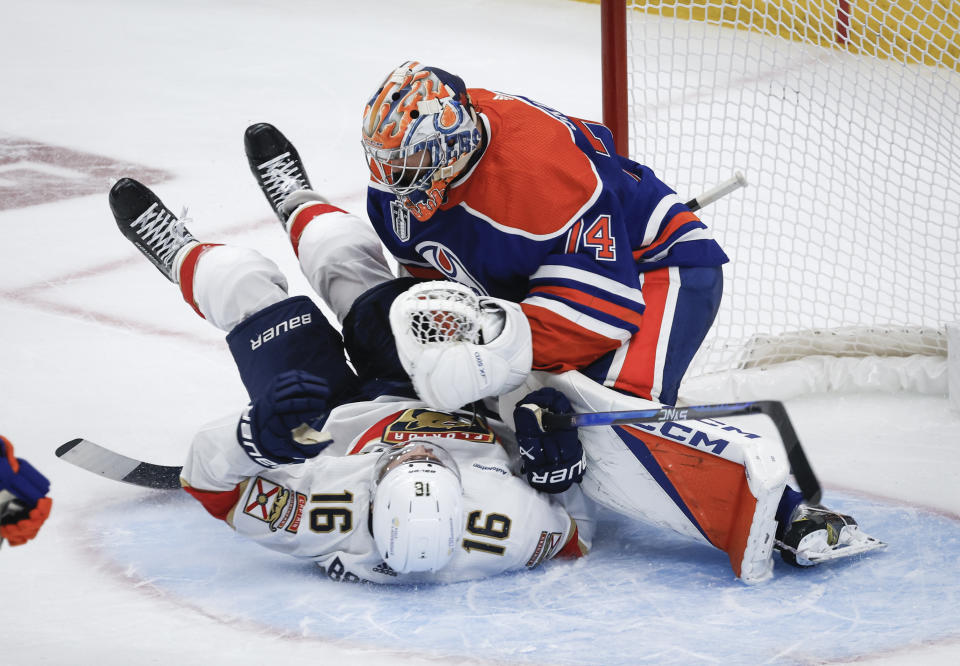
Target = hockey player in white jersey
(440,508)
(353,471)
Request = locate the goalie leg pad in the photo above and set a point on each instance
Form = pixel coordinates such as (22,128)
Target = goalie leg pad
(291,335)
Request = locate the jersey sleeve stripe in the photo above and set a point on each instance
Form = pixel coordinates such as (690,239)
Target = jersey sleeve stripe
(630,317)
(574,547)
(670,232)
(553,272)
(553,335)
(656,218)
(687,237)
(581,320)
(218,503)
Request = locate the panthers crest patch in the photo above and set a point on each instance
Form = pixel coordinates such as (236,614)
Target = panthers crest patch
(401,427)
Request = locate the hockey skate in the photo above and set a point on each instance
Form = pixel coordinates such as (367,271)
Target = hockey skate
(276,165)
(817,535)
(149,225)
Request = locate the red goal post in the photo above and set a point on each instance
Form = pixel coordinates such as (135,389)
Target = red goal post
(844,116)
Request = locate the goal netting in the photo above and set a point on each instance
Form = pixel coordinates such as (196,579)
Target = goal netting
(845,119)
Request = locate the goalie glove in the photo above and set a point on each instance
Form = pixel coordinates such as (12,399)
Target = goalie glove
(458,347)
(24,506)
(552,461)
(285,424)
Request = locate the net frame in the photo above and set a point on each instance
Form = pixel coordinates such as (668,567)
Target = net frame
(843,116)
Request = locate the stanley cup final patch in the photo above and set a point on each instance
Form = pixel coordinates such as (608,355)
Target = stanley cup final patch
(401,220)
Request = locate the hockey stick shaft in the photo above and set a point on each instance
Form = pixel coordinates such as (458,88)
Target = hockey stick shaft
(721,190)
(774,410)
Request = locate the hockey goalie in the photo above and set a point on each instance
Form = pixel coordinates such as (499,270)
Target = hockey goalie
(355,469)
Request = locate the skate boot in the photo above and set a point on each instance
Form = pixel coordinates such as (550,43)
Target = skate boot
(149,225)
(276,165)
(816,534)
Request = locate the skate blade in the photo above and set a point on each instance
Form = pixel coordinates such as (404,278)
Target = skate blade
(864,545)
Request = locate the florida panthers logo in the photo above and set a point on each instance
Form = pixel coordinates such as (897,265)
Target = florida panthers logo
(445,261)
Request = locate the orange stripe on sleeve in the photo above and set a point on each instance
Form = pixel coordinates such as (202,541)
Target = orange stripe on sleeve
(637,373)
(559,344)
(678,221)
(585,299)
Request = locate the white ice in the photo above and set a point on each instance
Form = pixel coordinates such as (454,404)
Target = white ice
(95,343)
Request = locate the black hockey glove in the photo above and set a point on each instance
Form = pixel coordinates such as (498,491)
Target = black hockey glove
(552,461)
(285,424)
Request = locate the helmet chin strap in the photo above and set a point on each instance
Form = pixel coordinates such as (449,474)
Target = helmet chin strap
(451,170)
(461,162)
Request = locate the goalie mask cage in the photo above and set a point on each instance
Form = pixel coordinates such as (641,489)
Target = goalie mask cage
(843,116)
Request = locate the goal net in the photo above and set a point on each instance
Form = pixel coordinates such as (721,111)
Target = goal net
(844,116)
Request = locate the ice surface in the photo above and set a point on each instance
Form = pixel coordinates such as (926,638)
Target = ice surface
(95,343)
(652,597)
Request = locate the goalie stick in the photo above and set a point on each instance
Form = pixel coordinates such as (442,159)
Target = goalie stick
(94,458)
(799,465)
(721,190)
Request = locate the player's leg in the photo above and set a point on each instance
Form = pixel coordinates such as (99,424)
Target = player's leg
(681,304)
(339,253)
(223,284)
(239,291)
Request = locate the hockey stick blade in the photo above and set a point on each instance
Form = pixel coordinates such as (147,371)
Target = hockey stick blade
(94,458)
(799,465)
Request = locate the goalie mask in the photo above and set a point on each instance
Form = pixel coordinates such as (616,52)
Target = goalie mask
(419,133)
(417,506)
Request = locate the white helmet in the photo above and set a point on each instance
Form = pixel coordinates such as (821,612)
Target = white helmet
(417,506)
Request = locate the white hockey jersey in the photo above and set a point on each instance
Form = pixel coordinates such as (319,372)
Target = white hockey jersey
(320,509)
